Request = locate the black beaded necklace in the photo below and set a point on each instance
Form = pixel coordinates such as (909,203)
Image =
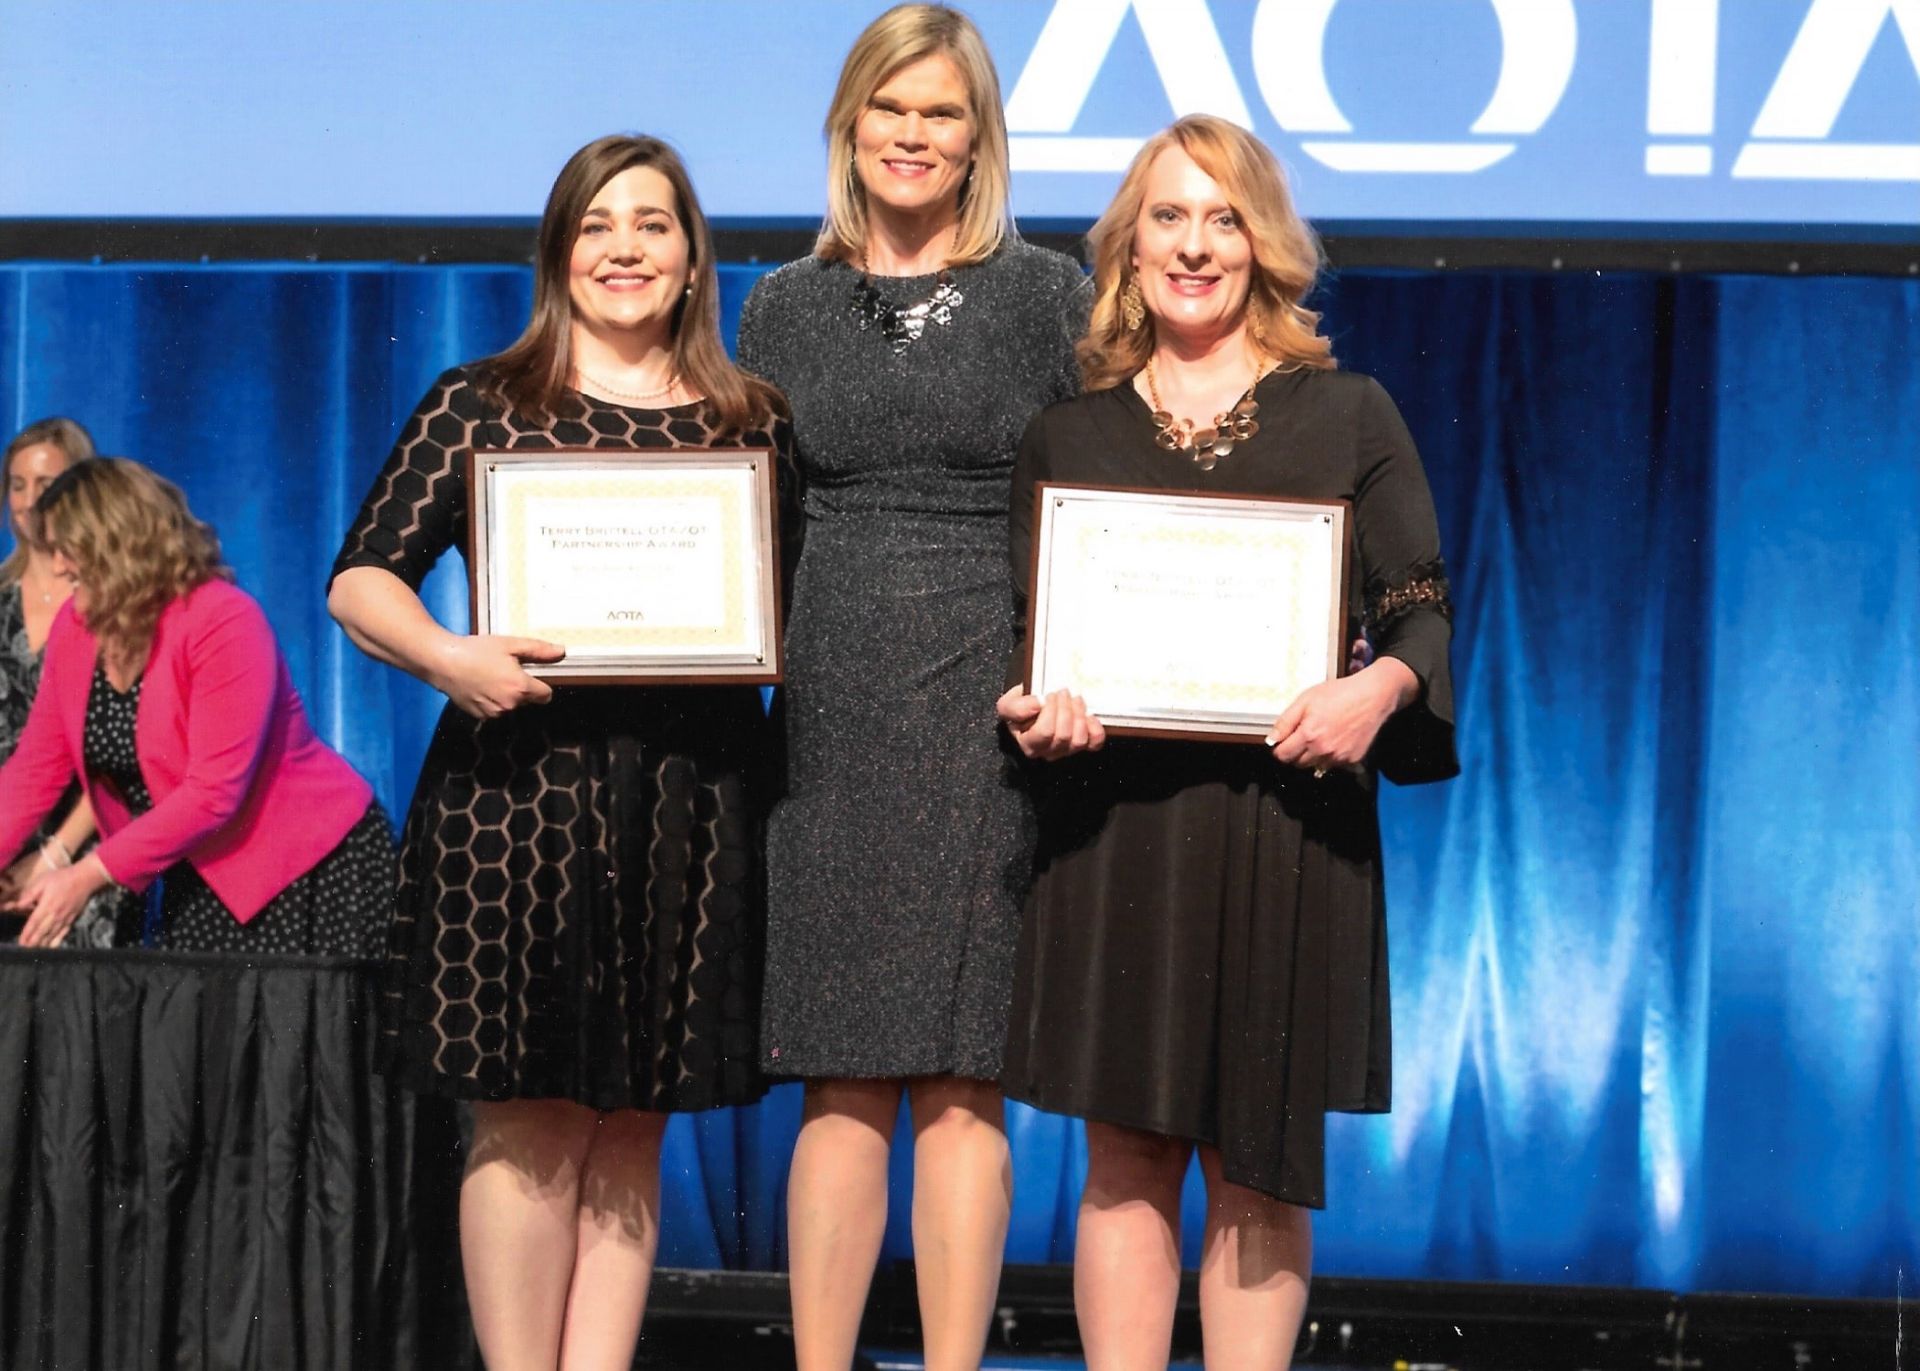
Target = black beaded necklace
(902,325)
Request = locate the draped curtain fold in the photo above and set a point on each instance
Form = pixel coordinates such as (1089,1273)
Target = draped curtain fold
(201,1170)
(1654,954)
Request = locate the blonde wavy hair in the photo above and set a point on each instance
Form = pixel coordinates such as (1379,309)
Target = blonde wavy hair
(136,546)
(1286,254)
(73,442)
(898,38)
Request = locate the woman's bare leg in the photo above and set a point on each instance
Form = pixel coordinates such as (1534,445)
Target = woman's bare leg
(962,1198)
(837,1214)
(519,1221)
(618,1232)
(1126,1263)
(1254,1268)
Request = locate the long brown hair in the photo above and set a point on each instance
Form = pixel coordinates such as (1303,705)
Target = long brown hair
(898,38)
(1286,254)
(134,542)
(73,442)
(534,374)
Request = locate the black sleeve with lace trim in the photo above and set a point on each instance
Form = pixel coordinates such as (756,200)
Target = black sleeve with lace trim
(1408,610)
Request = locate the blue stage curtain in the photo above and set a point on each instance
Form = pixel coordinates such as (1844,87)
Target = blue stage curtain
(1656,955)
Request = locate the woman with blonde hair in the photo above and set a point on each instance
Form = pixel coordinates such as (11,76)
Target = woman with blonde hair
(914,344)
(577,945)
(1204,961)
(268,841)
(30,595)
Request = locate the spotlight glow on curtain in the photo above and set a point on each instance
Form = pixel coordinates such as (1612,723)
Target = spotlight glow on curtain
(1656,955)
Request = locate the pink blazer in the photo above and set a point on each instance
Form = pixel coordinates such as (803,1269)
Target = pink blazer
(241,787)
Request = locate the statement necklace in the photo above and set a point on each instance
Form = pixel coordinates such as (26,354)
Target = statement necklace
(902,325)
(1207,445)
(673,380)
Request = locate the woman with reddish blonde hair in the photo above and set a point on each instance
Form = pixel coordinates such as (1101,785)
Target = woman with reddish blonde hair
(1203,967)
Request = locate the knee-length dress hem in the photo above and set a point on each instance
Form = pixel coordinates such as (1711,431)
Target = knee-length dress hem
(888,1068)
(900,848)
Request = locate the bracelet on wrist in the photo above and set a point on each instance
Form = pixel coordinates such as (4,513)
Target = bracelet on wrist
(56,854)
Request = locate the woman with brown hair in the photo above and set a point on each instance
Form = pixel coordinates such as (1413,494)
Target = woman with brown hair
(914,344)
(30,596)
(577,944)
(164,691)
(1203,965)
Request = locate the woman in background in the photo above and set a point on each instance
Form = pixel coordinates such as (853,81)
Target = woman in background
(1204,960)
(578,941)
(914,345)
(30,595)
(163,690)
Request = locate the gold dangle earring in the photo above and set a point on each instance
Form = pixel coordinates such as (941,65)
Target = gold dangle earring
(1133,307)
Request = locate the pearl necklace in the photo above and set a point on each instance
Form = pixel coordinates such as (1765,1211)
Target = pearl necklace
(673,381)
(46,593)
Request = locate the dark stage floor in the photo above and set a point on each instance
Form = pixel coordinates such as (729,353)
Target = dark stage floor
(705,1319)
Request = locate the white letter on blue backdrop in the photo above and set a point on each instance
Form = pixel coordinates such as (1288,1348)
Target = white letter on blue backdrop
(1538,43)
(1683,58)
(1187,55)
(1812,87)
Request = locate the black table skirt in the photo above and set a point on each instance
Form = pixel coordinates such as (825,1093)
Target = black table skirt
(198,1168)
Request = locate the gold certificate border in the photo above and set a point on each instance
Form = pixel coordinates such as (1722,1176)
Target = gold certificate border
(1190,692)
(761,463)
(619,487)
(1196,724)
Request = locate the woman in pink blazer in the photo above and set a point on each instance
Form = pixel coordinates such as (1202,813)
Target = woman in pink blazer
(164,691)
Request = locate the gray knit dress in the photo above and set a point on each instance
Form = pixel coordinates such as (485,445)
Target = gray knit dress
(899,854)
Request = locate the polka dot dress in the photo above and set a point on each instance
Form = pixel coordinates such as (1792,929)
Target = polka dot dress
(339,908)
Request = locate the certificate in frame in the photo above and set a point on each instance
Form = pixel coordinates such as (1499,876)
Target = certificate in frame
(651,566)
(1189,616)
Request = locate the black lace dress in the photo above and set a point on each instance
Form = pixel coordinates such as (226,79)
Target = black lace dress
(581,903)
(1204,954)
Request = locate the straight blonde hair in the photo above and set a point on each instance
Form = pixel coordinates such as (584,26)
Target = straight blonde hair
(898,38)
(1286,254)
(73,442)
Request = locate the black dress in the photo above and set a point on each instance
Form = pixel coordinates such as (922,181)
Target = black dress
(581,902)
(1204,954)
(337,908)
(900,850)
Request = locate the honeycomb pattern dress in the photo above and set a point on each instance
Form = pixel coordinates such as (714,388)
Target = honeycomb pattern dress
(581,898)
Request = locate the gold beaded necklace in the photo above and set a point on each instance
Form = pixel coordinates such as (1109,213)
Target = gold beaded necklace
(1208,445)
